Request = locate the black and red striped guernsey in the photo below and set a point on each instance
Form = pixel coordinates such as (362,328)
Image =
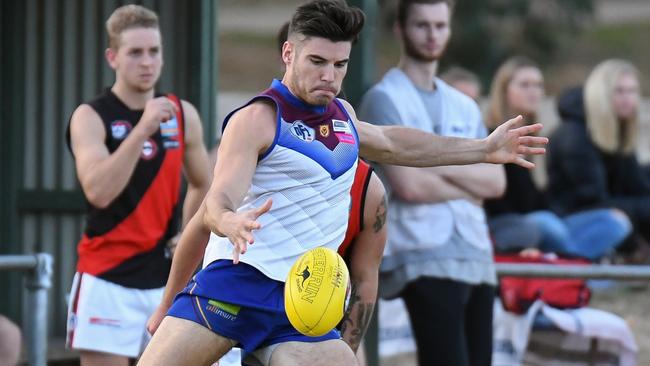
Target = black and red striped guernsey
(125,242)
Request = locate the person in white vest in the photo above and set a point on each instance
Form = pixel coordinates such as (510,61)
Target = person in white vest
(438,258)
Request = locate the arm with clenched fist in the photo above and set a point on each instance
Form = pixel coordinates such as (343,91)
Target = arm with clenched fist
(103,175)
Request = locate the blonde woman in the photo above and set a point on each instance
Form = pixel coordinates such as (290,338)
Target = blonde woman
(522,218)
(592,162)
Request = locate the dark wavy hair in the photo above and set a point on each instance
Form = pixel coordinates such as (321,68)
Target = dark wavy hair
(334,20)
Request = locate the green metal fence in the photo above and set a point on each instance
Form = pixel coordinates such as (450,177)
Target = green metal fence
(52,59)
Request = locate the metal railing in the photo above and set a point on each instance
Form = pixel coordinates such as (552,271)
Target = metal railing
(38,268)
(596,271)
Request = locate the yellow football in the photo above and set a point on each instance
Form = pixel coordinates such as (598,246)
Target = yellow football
(316,292)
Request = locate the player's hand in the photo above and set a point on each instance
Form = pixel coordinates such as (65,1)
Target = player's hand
(156,318)
(239,226)
(509,143)
(156,110)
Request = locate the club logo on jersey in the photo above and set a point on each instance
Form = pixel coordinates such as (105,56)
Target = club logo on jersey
(149,149)
(119,129)
(302,131)
(324,130)
(341,126)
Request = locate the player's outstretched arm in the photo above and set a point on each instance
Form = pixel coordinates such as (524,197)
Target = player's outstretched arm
(398,145)
(411,147)
(249,133)
(365,257)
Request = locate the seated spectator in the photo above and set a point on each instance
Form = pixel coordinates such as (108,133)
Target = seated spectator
(10,342)
(521,218)
(464,81)
(591,160)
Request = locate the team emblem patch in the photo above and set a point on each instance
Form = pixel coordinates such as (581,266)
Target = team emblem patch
(149,149)
(119,129)
(302,131)
(324,130)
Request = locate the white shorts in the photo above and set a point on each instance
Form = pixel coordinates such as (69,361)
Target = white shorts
(106,317)
(232,358)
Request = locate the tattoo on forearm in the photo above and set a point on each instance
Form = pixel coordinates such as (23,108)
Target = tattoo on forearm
(380,215)
(356,320)
(347,320)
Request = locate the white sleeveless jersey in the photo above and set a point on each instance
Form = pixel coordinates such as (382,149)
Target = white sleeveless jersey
(307,172)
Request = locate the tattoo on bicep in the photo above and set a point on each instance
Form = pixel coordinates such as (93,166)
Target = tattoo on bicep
(356,320)
(380,215)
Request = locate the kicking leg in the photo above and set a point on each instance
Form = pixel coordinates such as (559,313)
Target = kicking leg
(184,342)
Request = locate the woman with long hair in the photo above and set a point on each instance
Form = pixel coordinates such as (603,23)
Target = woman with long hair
(592,160)
(522,218)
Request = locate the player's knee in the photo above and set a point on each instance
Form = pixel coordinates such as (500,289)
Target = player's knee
(326,353)
(335,353)
(347,356)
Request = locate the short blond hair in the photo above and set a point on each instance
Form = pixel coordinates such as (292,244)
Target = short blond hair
(602,122)
(129,17)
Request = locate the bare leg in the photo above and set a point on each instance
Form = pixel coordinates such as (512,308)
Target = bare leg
(327,353)
(184,342)
(92,358)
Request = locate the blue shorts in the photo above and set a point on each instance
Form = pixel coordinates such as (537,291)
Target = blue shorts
(239,302)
